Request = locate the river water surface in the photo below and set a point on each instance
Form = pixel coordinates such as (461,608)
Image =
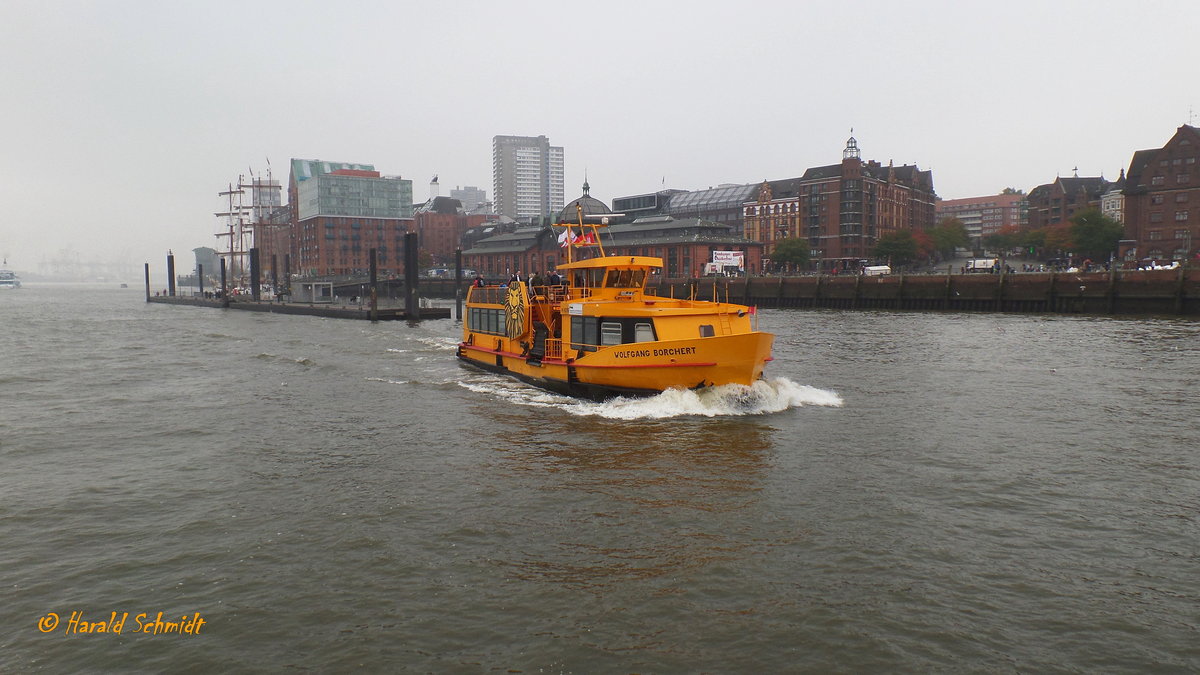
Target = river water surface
(907,493)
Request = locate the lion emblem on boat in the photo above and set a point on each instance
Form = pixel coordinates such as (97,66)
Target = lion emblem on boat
(514,310)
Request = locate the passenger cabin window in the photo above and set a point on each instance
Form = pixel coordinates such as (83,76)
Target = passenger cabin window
(610,333)
(584,333)
(588,332)
(484,320)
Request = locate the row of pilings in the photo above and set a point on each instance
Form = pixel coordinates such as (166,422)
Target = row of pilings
(369,289)
(1135,292)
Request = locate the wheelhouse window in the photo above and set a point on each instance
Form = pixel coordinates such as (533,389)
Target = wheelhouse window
(588,278)
(626,278)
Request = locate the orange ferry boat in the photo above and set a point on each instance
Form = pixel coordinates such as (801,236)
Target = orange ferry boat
(600,334)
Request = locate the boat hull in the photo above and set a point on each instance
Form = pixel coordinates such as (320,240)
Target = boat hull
(637,369)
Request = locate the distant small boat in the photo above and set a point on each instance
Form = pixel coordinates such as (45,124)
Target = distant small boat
(8,279)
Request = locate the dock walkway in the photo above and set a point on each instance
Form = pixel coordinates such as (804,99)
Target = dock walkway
(306,309)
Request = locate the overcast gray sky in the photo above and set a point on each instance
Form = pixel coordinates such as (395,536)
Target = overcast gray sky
(123,119)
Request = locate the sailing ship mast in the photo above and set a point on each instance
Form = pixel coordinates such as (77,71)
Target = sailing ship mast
(238,232)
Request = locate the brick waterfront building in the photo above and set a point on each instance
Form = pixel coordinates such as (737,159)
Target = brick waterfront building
(1055,203)
(1162,200)
(841,209)
(684,244)
(530,248)
(986,215)
(527,249)
(440,224)
(340,211)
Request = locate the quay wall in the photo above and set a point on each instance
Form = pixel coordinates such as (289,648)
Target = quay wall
(1136,292)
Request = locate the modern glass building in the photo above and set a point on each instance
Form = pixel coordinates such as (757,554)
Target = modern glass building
(349,195)
(333,189)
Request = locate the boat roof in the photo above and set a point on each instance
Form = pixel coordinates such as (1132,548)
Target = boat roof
(618,261)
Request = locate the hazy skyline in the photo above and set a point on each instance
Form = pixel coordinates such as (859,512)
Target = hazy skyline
(123,120)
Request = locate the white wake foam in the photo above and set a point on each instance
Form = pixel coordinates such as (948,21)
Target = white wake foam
(763,397)
(439,343)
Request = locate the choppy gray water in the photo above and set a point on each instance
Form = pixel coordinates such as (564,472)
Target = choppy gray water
(910,492)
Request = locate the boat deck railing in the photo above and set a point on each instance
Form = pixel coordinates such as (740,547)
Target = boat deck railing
(552,294)
(496,295)
(487,295)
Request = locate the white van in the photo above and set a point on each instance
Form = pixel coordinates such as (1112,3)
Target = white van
(876,270)
(984,265)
